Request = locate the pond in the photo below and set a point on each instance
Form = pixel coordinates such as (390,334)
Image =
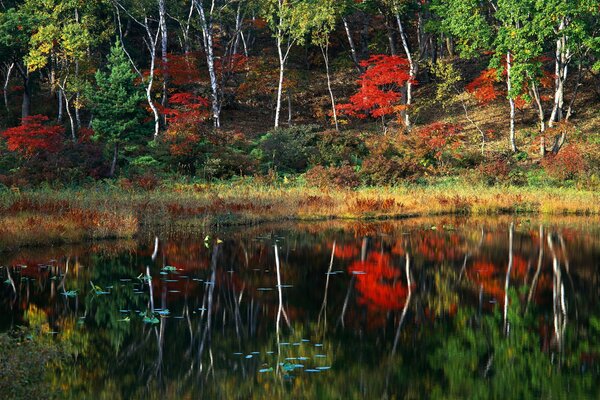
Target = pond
(449,307)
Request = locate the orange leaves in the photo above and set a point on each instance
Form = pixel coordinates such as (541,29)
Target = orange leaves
(32,136)
(379,283)
(438,137)
(483,87)
(380,85)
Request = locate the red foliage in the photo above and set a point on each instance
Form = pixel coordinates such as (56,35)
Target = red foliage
(379,283)
(380,85)
(438,137)
(182,69)
(566,164)
(32,136)
(483,87)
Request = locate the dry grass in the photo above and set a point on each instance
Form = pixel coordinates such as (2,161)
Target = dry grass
(42,216)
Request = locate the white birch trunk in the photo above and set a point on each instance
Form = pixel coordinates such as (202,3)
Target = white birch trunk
(207,34)
(412,72)
(511,101)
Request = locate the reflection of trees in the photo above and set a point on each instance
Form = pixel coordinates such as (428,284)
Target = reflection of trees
(429,321)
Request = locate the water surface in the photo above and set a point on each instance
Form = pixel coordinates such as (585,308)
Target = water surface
(433,308)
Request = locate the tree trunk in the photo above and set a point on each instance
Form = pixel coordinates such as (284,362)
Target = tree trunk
(412,72)
(163,34)
(511,101)
(289,100)
(113,165)
(540,110)
(207,33)
(71,121)
(26,104)
(560,74)
(9,70)
(149,90)
(280,82)
(391,38)
(575,92)
(351,43)
(325,51)
(59,95)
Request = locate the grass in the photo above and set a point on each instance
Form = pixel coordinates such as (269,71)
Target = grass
(45,216)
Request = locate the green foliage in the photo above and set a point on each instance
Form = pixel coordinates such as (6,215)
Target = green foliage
(116,100)
(288,149)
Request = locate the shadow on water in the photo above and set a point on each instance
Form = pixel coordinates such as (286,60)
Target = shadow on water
(428,308)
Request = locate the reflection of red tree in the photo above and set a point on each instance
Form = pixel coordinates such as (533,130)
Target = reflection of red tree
(438,247)
(492,277)
(346,251)
(379,284)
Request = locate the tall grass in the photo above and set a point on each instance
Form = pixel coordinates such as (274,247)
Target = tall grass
(102,211)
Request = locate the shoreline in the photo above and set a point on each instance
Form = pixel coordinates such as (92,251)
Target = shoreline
(48,217)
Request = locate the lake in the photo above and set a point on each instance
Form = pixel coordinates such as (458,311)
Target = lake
(448,307)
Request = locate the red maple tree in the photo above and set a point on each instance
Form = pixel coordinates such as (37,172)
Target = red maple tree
(33,136)
(380,87)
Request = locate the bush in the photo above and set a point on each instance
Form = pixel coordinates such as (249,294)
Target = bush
(495,170)
(336,148)
(566,164)
(380,170)
(342,176)
(288,149)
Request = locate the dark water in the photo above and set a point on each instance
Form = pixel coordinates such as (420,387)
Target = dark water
(442,308)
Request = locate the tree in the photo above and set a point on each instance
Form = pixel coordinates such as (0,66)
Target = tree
(380,91)
(60,43)
(33,136)
(289,22)
(324,21)
(508,29)
(116,100)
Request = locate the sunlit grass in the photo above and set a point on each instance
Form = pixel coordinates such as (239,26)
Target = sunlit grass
(104,211)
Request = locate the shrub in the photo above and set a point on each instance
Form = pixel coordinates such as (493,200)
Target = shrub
(495,170)
(288,149)
(336,148)
(437,143)
(566,164)
(34,135)
(342,176)
(380,170)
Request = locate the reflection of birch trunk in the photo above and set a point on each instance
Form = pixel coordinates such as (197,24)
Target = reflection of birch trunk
(538,270)
(211,287)
(62,281)
(507,280)
(323,312)
(558,297)
(149,279)
(12,282)
(406,304)
(280,310)
(563,248)
(363,257)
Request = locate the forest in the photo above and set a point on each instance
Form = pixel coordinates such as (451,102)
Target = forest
(315,199)
(482,102)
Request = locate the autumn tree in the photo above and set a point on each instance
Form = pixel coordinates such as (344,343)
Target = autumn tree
(116,100)
(380,88)
(34,135)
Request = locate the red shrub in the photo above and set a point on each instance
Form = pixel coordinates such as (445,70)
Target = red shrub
(566,164)
(380,85)
(32,136)
(439,138)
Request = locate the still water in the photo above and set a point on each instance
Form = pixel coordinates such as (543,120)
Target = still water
(438,308)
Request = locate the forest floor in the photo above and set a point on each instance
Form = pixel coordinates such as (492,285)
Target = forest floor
(44,216)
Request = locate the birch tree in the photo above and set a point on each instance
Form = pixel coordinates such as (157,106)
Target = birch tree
(288,22)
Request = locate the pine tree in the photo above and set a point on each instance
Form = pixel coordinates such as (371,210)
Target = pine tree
(116,104)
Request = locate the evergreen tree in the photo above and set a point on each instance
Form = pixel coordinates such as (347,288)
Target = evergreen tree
(116,104)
